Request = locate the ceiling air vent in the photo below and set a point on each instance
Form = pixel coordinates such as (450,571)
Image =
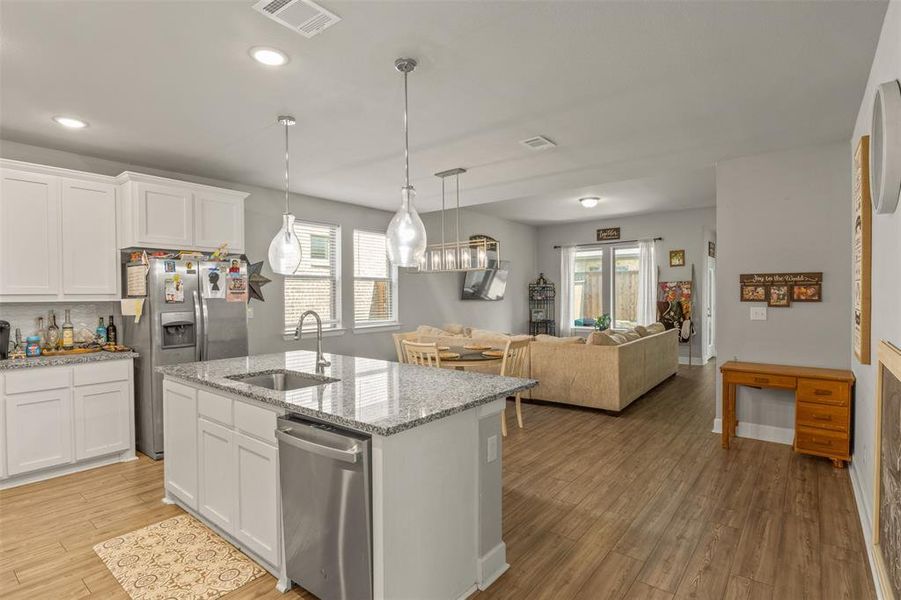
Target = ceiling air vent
(303,16)
(539,142)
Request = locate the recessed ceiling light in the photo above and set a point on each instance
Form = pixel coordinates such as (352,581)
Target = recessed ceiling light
(70,122)
(269,56)
(589,201)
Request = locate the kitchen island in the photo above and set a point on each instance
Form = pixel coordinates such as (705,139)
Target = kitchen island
(435,461)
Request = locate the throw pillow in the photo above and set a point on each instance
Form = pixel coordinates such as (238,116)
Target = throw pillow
(657,327)
(552,339)
(641,330)
(429,331)
(489,336)
(600,338)
(630,335)
(454,328)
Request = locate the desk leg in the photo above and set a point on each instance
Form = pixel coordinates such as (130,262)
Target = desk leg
(727,416)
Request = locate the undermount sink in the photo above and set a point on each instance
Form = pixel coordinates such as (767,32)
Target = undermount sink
(282,381)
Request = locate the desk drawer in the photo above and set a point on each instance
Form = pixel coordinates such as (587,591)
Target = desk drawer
(822,416)
(824,391)
(822,441)
(762,380)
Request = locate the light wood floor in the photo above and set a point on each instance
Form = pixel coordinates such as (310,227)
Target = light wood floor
(645,505)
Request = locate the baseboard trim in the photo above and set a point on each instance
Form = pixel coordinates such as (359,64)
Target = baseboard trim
(696,361)
(866,522)
(755,431)
(492,565)
(67,469)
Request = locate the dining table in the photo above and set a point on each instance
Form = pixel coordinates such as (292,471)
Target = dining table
(467,358)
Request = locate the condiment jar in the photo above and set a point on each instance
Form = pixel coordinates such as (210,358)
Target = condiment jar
(33,345)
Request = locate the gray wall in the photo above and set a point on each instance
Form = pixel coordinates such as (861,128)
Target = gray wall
(434,298)
(886,290)
(683,229)
(783,212)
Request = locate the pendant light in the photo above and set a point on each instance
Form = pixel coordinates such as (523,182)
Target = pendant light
(284,250)
(406,237)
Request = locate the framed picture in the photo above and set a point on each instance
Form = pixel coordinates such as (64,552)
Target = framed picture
(807,293)
(711,249)
(779,295)
(677,258)
(753,293)
(861,248)
(887,485)
(538,314)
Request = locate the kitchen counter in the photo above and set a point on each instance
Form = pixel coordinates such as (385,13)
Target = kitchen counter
(33,362)
(373,396)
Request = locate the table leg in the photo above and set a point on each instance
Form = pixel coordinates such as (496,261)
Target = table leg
(733,410)
(726,417)
(838,463)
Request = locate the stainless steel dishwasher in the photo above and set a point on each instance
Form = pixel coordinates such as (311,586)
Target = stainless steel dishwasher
(326,508)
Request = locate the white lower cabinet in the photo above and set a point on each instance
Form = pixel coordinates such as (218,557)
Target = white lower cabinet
(38,430)
(216,473)
(180,441)
(256,513)
(102,419)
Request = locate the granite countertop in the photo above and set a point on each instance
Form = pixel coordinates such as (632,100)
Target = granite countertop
(373,396)
(33,362)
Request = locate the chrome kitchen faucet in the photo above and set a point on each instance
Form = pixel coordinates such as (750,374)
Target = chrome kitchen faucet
(321,363)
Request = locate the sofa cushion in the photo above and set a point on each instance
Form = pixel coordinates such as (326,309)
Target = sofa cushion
(456,329)
(657,327)
(429,331)
(606,338)
(641,330)
(552,339)
(631,335)
(489,335)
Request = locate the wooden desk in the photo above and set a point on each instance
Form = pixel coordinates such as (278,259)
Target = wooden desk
(823,404)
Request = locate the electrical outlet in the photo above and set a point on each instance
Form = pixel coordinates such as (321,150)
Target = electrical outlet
(492,449)
(758,313)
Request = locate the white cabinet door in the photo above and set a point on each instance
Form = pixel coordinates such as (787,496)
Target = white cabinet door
(101,419)
(165,215)
(216,473)
(256,515)
(180,441)
(38,430)
(90,254)
(218,219)
(29,233)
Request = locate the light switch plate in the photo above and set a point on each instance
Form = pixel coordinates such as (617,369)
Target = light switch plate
(249,312)
(492,449)
(758,313)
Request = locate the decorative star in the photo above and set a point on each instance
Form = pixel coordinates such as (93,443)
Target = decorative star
(256,280)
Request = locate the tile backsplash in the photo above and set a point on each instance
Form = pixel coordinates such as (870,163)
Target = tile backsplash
(83,314)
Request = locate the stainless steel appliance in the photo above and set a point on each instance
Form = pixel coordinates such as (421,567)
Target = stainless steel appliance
(326,496)
(4,340)
(185,319)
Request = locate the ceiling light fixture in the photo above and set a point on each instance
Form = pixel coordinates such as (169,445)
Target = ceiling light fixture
(269,56)
(70,122)
(406,237)
(284,249)
(589,201)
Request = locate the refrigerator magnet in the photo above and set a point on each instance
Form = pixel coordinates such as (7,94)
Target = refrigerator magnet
(175,290)
(213,286)
(189,267)
(236,289)
(169,266)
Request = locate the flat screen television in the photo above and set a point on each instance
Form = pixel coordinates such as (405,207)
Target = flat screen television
(485,284)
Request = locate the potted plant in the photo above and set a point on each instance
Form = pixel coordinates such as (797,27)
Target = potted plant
(603,322)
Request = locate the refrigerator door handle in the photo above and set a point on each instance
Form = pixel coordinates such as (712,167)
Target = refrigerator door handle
(197,324)
(206,323)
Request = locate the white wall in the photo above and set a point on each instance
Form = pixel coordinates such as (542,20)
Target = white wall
(682,229)
(434,298)
(886,291)
(787,211)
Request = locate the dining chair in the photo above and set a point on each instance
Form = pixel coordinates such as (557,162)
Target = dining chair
(425,355)
(514,365)
(398,344)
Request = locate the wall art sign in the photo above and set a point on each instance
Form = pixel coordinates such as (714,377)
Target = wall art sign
(677,258)
(887,489)
(608,234)
(861,246)
(781,289)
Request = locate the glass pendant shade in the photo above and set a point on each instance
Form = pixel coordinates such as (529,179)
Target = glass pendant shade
(406,237)
(284,250)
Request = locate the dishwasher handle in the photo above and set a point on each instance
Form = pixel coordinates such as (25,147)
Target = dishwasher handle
(350,456)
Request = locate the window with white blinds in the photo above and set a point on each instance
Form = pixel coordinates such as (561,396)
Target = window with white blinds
(375,281)
(316,285)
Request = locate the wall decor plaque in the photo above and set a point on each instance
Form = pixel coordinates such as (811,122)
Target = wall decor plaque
(781,289)
(781,278)
(861,246)
(608,234)
(887,486)
(677,258)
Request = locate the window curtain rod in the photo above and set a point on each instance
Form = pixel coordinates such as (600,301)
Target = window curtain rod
(656,239)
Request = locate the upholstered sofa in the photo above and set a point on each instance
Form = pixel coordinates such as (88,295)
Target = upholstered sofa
(607,372)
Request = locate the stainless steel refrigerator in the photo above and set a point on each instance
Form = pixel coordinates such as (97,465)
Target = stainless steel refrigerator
(186,318)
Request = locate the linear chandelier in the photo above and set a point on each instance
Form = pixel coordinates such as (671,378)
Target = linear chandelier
(473,254)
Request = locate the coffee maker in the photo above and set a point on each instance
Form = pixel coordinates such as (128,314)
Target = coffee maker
(4,340)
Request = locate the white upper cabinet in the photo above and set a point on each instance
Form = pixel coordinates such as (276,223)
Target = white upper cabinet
(29,233)
(90,254)
(164,213)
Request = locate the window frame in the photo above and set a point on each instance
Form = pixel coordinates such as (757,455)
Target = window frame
(608,282)
(394,322)
(336,325)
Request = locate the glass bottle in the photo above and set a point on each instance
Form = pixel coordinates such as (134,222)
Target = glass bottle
(68,333)
(101,332)
(53,340)
(42,333)
(111,332)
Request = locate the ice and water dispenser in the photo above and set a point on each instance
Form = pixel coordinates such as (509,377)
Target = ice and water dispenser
(178,330)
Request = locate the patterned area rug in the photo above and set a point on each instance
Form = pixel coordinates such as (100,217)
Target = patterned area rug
(176,559)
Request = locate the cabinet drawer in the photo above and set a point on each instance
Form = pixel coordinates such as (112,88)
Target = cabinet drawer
(822,416)
(824,391)
(822,441)
(256,421)
(38,379)
(102,372)
(215,407)
(762,380)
